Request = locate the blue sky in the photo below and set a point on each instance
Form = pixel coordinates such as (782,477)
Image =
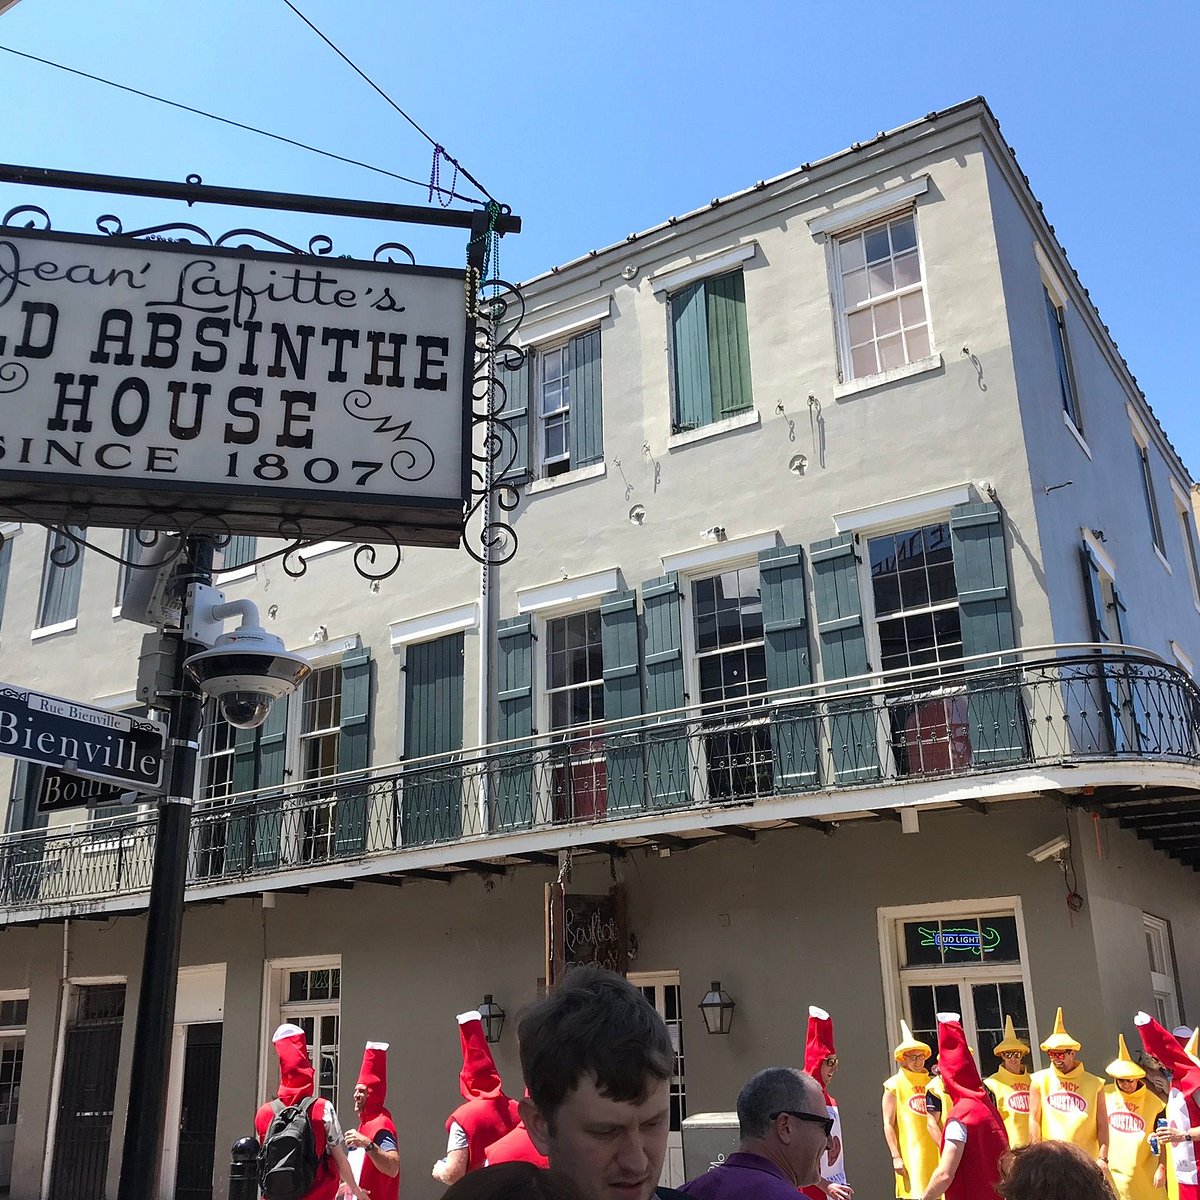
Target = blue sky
(593,120)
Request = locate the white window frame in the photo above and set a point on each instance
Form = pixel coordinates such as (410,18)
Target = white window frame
(889,921)
(1162,983)
(846,374)
(564,412)
(294,767)
(275,1008)
(42,631)
(8,531)
(1187,533)
(704,564)
(548,335)
(15,1031)
(544,604)
(672,1175)
(911,519)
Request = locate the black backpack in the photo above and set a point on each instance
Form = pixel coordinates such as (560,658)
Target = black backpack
(287,1162)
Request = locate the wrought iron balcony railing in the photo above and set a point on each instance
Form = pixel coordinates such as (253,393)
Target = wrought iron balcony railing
(953,720)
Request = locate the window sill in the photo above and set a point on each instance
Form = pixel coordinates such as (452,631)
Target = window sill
(234,574)
(1162,558)
(1074,431)
(727,425)
(46,631)
(867,382)
(591,471)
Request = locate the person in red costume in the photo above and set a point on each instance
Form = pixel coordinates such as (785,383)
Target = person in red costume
(486,1114)
(375,1138)
(516,1146)
(296,1083)
(1183,1103)
(821,1062)
(974,1137)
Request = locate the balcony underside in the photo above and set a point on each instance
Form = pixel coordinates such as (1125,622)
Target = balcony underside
(1117,734)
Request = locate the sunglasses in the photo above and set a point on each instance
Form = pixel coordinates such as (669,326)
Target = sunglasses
(826,1123)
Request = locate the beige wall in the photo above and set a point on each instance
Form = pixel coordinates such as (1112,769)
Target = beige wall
(787,920)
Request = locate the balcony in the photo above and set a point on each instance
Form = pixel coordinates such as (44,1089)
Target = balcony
(1117,731)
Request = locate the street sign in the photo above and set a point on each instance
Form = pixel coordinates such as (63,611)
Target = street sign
(61,790)
(81,739)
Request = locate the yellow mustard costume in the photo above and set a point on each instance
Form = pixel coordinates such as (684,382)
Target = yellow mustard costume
(1011,1090)
(1131,1118)
(917,1149)
(1069,1101)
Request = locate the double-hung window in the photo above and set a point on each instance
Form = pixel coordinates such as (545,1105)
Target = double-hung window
(554,410)
(882,314)
(312,999)
(711,352)
(575,696)
(62,572)
(552,402)
(320,744)
(918,622)
(732,665)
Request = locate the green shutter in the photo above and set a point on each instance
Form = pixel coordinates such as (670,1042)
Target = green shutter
(666,750)
(21,864)
(513,464)
(431,809)
(689,345)
(794,725)
(354,753)
(853,751)
(625,769)
(1119,727)
(995,710)
(512,777)
(587,416)
(272,748)
(1094,593)
(728,344)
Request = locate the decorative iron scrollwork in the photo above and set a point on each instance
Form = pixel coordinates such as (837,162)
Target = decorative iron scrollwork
(38,218)
(500,309)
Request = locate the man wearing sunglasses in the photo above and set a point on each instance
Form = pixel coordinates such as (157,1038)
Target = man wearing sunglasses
(784,1129)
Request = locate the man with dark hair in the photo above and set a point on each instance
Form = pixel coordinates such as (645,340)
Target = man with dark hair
(784,1127)
(598,1062)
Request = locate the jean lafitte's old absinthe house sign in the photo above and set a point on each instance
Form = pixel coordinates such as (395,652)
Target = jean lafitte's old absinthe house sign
(151,377)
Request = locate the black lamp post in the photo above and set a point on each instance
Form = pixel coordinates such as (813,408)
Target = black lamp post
(717,1009)
(492,1016)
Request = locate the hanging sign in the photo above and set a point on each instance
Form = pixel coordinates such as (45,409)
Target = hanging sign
(83,740)
(585,929)
(148,383)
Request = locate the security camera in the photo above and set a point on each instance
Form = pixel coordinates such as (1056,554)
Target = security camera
(1054,848)
(245,671)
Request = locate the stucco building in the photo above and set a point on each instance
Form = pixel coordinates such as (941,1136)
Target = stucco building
(853,566)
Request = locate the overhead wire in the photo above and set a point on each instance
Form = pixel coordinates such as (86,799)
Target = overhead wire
(353,162)
(438,148)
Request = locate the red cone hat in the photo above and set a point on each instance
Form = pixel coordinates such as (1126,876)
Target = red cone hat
(373,1076)
(295,1069)
(478,1078)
